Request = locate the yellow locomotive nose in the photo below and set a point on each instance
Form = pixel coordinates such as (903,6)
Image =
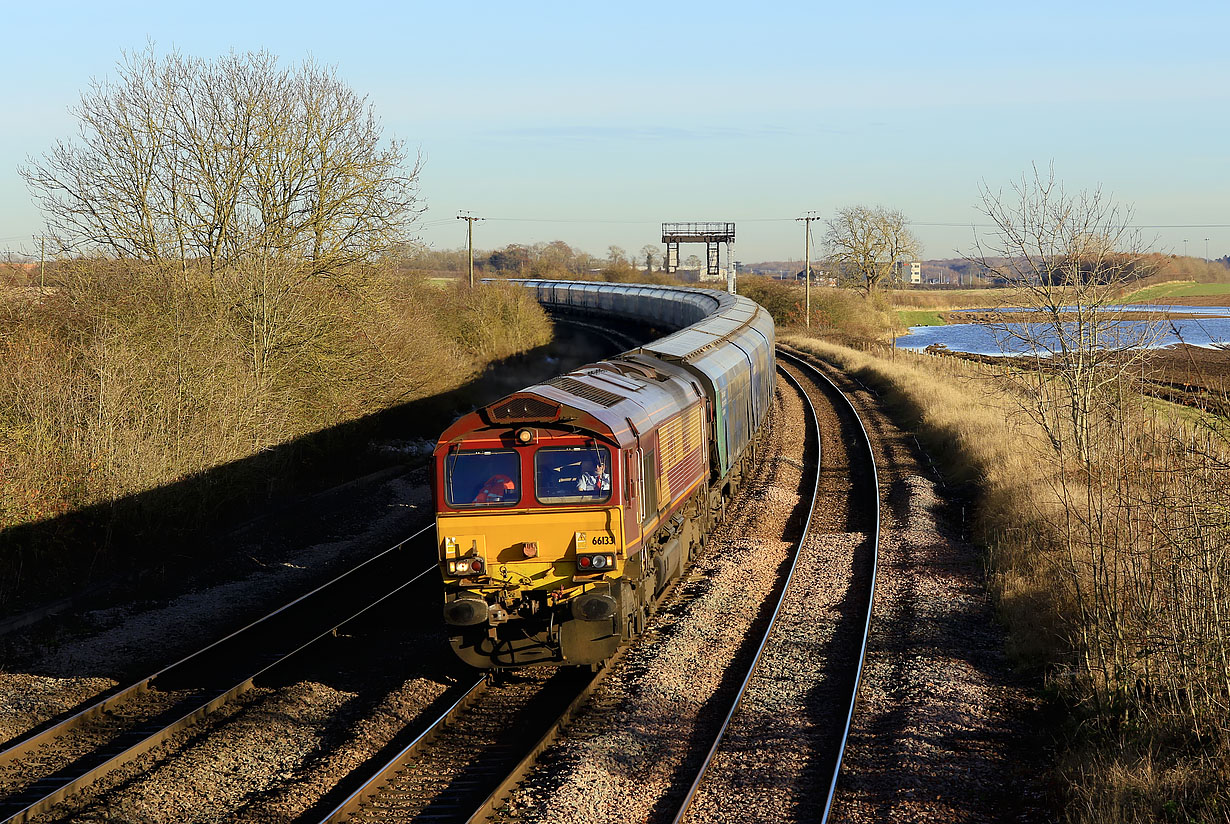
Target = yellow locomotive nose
(539,550)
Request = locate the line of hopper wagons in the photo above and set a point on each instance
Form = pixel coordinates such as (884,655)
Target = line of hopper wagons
(565,509)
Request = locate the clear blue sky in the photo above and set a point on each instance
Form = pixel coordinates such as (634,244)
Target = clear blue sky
(593,123)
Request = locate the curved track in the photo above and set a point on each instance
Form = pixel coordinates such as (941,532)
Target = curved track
(477,785)
(847,671)
(480,795)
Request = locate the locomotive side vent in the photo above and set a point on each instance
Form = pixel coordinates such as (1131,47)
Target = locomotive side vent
(584,390)
(523,409)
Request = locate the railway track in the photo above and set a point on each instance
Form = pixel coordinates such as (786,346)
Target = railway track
(61,758)
(720,779)
(463,767)
(436,778)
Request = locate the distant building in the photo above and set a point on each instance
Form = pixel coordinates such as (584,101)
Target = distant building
(916,272)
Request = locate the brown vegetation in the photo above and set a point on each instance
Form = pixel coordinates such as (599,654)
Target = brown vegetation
(548,261)
(1105,513)
(1161,268)
(127,377)
(1109,573)
(842,315)
(226,233)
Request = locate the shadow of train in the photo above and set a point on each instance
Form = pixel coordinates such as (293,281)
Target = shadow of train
(120,547)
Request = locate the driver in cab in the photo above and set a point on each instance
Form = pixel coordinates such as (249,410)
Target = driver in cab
(594,477)
(498,489)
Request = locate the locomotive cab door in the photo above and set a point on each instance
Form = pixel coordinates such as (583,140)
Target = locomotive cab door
(636,489)
(649,486)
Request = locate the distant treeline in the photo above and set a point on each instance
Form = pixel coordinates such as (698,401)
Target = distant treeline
(541,260)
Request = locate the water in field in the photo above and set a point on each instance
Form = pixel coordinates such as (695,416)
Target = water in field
(983,339)
(1131,307)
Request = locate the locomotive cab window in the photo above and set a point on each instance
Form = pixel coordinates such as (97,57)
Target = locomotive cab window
(487,478)
(572,475)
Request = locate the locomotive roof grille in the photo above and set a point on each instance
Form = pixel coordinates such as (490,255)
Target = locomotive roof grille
(584,390)
(524,409)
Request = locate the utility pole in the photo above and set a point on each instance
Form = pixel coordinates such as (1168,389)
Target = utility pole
(807,219)
(42,263)
(469,219)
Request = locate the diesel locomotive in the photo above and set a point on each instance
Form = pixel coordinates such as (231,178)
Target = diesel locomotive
(564,510)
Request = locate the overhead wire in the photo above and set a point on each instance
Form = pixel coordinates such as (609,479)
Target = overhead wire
(932,224)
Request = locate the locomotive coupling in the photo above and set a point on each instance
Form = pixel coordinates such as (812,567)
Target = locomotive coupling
(466,612)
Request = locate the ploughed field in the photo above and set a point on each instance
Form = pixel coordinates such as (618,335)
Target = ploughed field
(1192,366)
(1195,376)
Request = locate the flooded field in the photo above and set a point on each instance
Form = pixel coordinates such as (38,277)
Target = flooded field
(1005,331)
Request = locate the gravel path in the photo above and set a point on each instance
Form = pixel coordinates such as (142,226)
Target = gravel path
(624,758)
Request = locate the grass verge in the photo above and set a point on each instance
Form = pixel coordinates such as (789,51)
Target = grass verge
(1134,742)
(1177,289)
(919,317)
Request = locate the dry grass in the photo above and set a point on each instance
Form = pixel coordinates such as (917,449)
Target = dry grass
(976,435)
(126,379)
(1110,579)
(845,315)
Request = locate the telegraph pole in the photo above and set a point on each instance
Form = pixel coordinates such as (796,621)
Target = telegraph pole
(807,219)
(469,219)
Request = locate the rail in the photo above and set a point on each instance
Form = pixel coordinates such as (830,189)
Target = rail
(875,554)
(49,790)
(781,599)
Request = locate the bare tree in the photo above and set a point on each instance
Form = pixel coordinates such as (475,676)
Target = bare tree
(650,253)
(1070,256)
(182,159)
(867,244)
(259,180)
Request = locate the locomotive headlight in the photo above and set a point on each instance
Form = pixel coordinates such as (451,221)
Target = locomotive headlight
(525,436)
(593,563)
(466,566)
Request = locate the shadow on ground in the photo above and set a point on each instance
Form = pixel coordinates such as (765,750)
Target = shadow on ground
(123,545)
